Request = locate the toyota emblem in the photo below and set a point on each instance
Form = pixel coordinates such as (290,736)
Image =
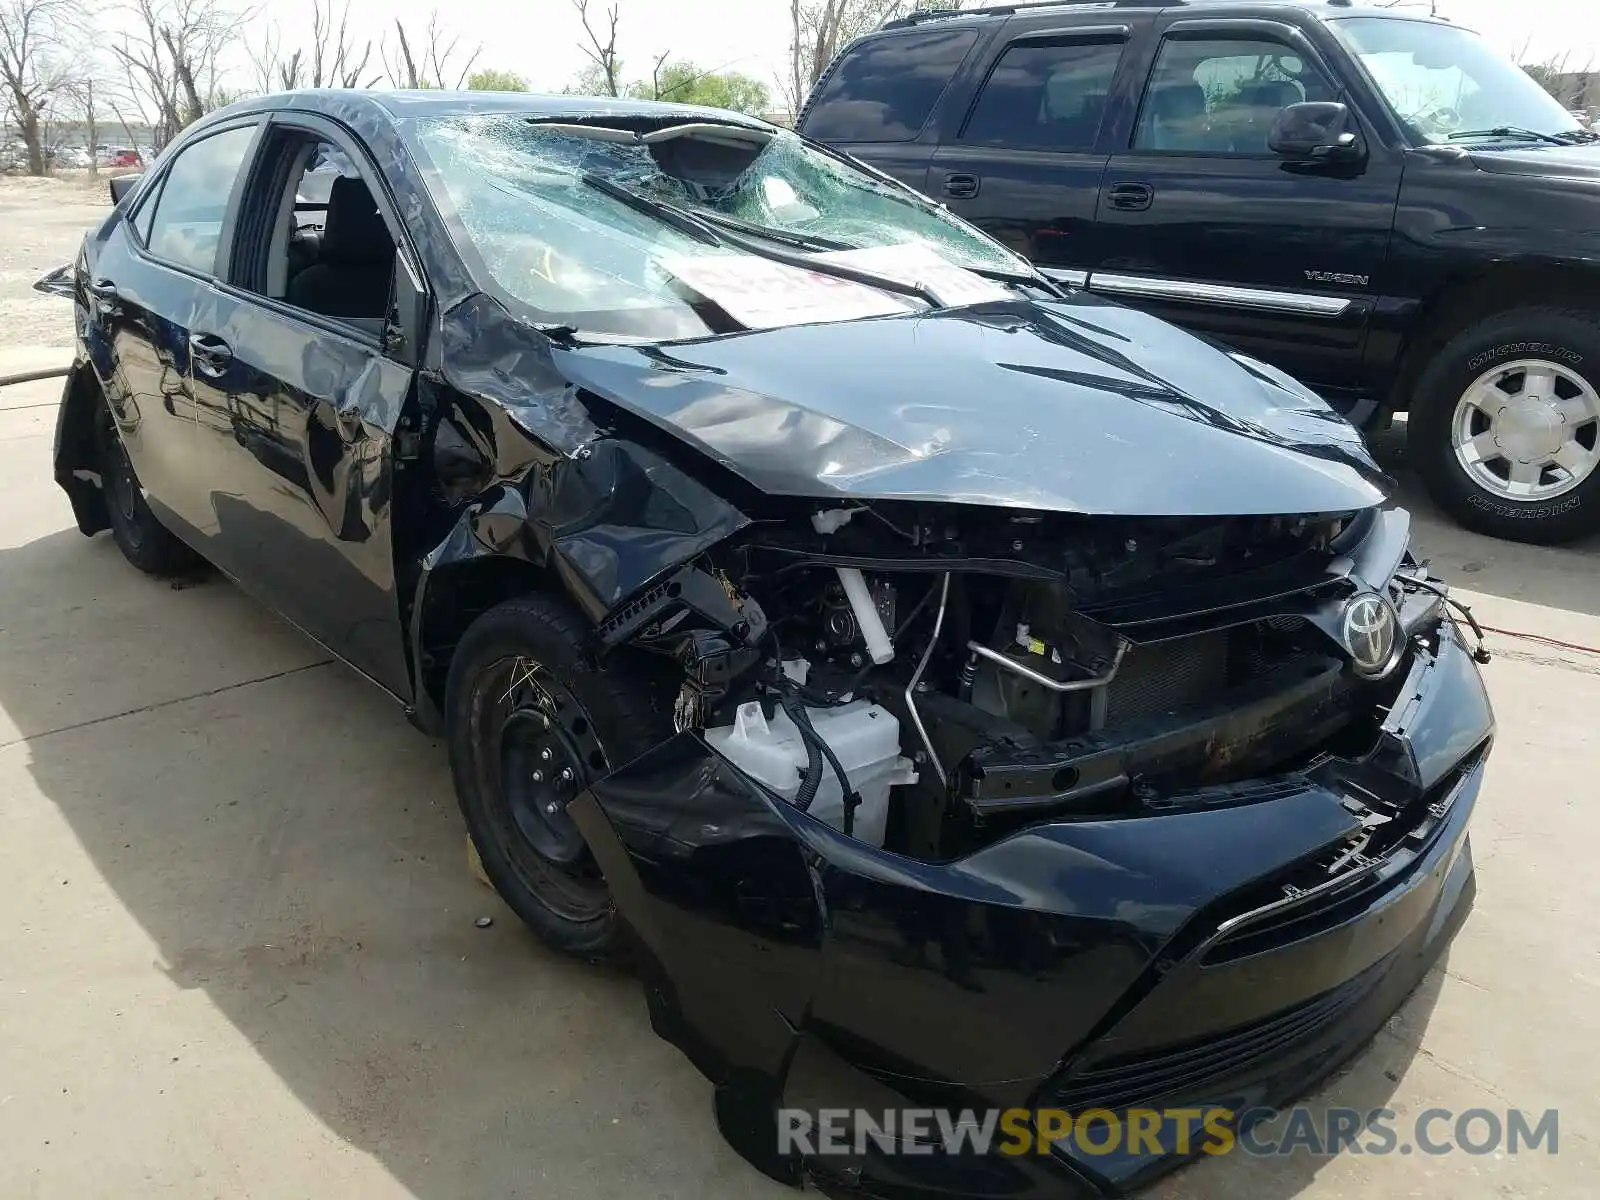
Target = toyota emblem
(1371,634)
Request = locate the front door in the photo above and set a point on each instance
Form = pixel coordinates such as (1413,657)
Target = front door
(1025,165)
(299,390)
(1200,222)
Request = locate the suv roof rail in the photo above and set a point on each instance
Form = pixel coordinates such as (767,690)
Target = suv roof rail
(1005,10)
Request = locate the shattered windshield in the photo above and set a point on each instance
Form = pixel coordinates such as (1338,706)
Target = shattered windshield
(664,231)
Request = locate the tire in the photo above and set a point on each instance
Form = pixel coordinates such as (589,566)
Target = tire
(141,537)
(1539,370)
(520,686)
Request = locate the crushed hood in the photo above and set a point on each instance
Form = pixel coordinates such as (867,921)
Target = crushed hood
(1072,406)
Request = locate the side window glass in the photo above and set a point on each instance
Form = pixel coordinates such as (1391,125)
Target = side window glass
(884,90)
(1045,96)
(1220,96)
(147,210)
(186,226)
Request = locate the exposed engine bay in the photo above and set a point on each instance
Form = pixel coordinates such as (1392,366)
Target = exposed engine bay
(929,679)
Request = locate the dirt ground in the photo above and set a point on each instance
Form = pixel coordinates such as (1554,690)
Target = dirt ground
(41,224)
(237,945)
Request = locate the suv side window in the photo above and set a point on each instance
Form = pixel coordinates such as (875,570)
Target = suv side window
(884,89)
(186,227)
(1045,96)
(1221,95)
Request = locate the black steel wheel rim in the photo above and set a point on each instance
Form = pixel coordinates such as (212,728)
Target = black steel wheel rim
(545,752)
(122,485)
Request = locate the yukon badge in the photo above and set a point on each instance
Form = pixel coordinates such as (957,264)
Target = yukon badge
(1337,277)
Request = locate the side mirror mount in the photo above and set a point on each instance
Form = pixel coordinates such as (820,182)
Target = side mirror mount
(404,328)
(121,185)
(1315,131)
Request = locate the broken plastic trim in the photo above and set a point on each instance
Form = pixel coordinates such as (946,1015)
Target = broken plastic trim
(710,130)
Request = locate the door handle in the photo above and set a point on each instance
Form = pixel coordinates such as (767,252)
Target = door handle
(210,353)
(106,297)
(960,186)
(1132,197)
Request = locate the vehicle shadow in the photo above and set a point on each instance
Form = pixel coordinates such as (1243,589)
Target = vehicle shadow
(1562,577)
(292,848)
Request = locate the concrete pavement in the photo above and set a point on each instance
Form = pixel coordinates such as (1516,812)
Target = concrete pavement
(237,950)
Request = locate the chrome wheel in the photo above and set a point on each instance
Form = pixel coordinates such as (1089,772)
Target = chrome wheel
(1527,430)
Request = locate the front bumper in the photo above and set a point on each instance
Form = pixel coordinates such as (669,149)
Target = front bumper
(1229,953)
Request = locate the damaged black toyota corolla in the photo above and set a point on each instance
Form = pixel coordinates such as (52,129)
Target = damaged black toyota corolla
(956,692)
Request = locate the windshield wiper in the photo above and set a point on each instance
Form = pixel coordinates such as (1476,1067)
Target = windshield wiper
(681,221)
(699,228)
(1506,131)
(801,241)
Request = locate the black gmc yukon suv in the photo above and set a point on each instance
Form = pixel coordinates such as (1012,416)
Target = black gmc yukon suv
(1374,201)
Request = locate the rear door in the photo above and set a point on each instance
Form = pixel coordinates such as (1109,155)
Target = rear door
(300,384)
(1200,222)
(149,290)
(877,100)
(1024,161)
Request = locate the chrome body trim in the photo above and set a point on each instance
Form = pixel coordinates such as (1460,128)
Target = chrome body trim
(1261,299)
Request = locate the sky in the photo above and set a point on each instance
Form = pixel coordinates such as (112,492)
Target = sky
(538,39)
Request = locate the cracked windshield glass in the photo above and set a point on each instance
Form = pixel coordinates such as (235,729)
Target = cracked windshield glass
(676,230)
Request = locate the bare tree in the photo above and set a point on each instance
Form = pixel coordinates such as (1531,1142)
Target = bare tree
(428,62)
(603,54)
(819,29)
(34,66)
(81,93)
(170,60)
(334,60)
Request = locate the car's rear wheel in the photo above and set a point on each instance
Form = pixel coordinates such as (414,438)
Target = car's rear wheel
(141,537)
(532,720)
(1505,426)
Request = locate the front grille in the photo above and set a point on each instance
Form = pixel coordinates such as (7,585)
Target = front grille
(1172,675)
(1167,676)
(1189,1069)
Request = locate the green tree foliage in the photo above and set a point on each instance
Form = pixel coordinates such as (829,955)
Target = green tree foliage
(682,82)
(488,79)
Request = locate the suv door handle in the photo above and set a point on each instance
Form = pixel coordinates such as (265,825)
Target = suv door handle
(960,186)
(1132,197)
(210,353)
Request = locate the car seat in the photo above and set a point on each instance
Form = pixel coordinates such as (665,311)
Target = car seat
(355,260)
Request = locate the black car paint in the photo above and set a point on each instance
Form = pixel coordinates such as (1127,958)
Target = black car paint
(790,962)
(1026,405)
(1417,239)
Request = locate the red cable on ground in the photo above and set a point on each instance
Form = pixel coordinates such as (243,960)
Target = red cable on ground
(1536,637)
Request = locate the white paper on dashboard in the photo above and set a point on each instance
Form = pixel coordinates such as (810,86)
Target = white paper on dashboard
(921,265)
(762,294)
